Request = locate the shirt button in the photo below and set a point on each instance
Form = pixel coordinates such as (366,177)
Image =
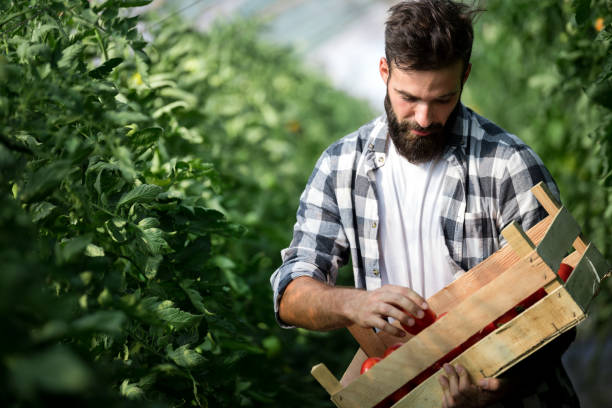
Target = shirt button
(376,272)
(381,160)
(371,146)
(373,225)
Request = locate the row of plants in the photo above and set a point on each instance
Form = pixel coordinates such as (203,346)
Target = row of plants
(543,70)
(146,191)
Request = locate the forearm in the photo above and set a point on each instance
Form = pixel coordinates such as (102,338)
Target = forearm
(313,305)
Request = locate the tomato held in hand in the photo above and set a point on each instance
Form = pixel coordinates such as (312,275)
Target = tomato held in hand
(369,363)
(420,324)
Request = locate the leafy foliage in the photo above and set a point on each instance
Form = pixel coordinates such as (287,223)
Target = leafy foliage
(543,70)
(122,163)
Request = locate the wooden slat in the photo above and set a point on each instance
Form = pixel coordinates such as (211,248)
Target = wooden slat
(558,239)
(354,368)
(465,319)
(369,342)
(585,281)
(546,198)
(552,206)
(483,273)
(518,240)
(505,347)
(327,380)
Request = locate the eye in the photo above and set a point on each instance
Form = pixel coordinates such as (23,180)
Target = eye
(409,99)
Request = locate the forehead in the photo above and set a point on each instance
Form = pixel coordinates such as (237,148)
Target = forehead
(436,81)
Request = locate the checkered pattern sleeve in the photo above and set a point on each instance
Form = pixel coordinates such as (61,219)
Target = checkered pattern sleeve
(523,170)
(319,246)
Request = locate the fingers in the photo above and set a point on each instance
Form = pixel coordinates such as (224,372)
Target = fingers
(385,326)
(453,379)
(409,300)
(447,399)
(456,385)
(372,308)
(490,384)
(396,302)
(464,378)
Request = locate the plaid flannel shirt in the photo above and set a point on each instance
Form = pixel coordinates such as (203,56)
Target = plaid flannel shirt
(489,176)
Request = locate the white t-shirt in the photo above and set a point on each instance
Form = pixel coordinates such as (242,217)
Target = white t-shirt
(412,249)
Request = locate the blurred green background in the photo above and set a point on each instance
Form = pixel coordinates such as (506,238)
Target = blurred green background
(151,162)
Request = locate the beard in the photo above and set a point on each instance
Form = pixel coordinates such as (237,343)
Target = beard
(417,149)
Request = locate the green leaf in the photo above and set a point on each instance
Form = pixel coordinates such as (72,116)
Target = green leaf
(57,370)
(39,32)
(41,210)
(107,321)
(145,138)
(166,311)
(194,296)
(154,240)
(94,251)
(143,193)
(148,222)
(169,108)
(185,357)
(103,70)
(152,266)
(178,318)
(125,3)
(71,55)
(123,118)
(131,391)
(116,229)
(45,179)
(69,249)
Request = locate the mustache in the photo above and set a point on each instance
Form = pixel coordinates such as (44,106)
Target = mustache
(408,125)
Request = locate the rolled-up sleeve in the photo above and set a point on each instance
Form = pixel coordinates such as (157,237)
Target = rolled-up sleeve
(319,245)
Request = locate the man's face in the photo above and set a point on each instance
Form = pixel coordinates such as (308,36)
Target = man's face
(418,105)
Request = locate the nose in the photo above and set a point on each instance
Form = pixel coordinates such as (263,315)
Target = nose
(423,115)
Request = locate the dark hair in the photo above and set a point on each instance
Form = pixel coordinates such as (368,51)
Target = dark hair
(429,34)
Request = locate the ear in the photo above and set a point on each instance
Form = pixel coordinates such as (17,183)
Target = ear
(467,73)
(383,68)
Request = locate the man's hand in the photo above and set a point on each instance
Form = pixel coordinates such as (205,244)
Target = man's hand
(459,391)
(372,308)
(313,305)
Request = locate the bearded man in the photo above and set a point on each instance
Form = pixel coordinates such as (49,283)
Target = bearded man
(415,198)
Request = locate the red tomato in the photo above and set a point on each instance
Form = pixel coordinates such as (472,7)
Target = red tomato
(489,328)
(506,317)
(392,348)
(564,271)
(531,299)
(369,363)
(420,324)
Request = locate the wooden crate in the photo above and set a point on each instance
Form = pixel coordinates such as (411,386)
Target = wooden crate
(477,298)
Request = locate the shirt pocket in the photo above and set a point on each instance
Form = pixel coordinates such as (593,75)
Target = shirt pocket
(480,238)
